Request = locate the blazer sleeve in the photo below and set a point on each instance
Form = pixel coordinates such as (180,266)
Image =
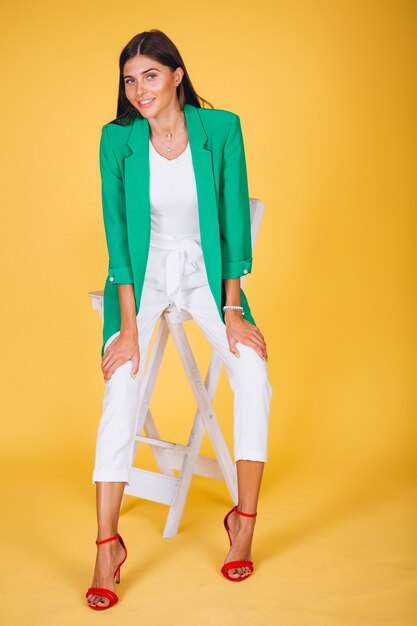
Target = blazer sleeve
(234,206)
(114,214)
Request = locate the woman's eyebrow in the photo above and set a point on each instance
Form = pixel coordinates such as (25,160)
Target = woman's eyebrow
(144,71)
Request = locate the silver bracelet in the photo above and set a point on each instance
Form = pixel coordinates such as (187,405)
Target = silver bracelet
(233,306)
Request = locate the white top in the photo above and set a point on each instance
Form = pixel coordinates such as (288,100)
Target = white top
(175,259)
(173,194)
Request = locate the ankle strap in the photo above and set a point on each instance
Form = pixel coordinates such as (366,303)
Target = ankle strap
(108,539)
(245,514)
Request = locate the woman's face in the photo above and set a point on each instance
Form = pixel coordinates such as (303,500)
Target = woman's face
(145,79)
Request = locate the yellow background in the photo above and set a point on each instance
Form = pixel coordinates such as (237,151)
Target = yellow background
(326,95)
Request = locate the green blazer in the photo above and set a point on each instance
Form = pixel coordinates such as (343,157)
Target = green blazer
(219,163)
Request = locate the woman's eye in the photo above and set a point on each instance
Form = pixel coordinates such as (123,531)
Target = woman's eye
(130,80)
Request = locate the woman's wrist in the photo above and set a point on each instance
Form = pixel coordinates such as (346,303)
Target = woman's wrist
(232,314)
(129,331)
(128,322)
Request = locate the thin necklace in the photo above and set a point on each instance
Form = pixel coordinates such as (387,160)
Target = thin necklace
(171,137)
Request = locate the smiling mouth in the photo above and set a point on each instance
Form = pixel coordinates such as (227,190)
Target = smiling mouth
(145,102)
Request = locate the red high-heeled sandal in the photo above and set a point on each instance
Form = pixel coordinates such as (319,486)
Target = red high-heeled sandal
(232,564)
(108,593)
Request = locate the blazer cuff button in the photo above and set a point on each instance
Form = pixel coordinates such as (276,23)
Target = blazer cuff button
(111,278)
(245,271)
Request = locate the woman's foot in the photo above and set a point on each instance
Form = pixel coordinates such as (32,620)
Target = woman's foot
(109,555)
(241,533)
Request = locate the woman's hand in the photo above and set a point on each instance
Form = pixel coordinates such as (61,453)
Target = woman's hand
(239,329)
(123,348)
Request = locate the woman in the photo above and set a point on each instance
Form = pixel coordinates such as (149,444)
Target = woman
(183,240)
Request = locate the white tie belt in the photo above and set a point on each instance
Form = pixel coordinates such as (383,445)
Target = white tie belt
(182,259)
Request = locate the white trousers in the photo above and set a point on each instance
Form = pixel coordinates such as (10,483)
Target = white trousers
(176,276)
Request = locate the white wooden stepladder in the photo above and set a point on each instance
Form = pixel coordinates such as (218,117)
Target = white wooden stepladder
(165,487)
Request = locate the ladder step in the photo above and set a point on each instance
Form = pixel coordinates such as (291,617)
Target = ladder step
(169,445)
(204,465)
(152,486)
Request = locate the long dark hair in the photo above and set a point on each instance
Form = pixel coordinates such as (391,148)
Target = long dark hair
(154,43)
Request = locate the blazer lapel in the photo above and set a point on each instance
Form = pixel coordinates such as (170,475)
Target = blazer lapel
(138,213)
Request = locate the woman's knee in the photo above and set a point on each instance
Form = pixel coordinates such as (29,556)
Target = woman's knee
(248,372)
(251,368)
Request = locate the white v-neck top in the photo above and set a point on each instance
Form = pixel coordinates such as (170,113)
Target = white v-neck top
(175,261)
(173,194)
